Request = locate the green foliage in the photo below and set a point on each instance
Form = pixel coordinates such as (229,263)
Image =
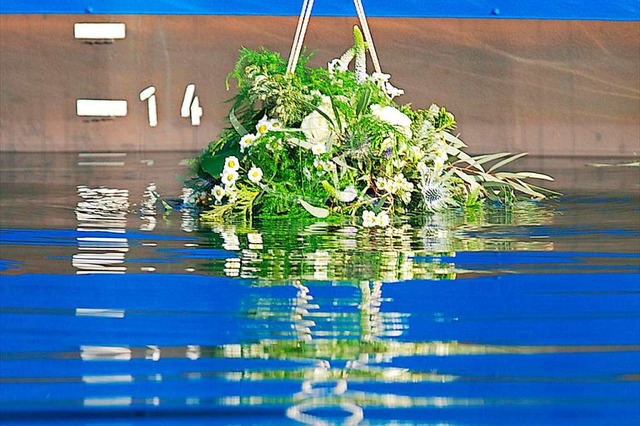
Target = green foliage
(333,142)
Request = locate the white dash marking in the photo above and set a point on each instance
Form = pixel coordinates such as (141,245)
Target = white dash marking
(101,108)
(99,30)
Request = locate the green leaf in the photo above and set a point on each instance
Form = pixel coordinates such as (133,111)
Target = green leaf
(213,164)
(454,140)
(236,124)
(363,101)
(506,161)
(318,212)
(481,159)
(465,177)
(533,175)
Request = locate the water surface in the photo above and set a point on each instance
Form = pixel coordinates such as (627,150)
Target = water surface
(115,311)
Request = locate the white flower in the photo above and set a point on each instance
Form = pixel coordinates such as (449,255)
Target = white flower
(382,80)
(255,174)
(380,77)
(415,152)
(398,163)
(368,219)
(348,195)
(218,192)
(318,148)
(247,140)
(382,219)
(394,117)
(422,169)
(231,163)
(231,193)
(315,126)
(274,124)
(263,126)
(229,177)
(392,91)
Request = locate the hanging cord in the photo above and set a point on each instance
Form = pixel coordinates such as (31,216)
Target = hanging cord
(298,39)
(301,30)
(367,35)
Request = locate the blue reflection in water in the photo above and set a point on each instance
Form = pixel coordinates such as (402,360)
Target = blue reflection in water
(511,317)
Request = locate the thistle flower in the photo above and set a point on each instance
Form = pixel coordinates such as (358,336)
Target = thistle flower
(255,174)
(231,163)
(434,195)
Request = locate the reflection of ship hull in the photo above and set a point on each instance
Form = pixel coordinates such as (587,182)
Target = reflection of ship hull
(546,87)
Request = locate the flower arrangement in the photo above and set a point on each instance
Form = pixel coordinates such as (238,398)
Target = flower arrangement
(333,142)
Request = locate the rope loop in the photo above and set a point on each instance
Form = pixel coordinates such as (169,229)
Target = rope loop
(301,30)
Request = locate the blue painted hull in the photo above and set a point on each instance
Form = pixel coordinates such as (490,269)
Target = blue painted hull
(620,10)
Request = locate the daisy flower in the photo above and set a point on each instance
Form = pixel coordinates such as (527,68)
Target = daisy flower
(255,174)
(318,148)
(229,177)
(231,163)
(274,124)
(247,140)
(218,192)
(263,126)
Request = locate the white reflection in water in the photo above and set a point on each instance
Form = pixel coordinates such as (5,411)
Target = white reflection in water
(105,353)
(107,379)
(108,401)
(101,210)
(148,208)
(104,313)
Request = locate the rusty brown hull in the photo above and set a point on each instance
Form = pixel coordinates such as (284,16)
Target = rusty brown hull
(545,87)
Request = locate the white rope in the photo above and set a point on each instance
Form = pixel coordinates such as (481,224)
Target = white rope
(298,39)
(367,34)
(301,30)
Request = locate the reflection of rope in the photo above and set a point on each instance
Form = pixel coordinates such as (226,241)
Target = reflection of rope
(301,30)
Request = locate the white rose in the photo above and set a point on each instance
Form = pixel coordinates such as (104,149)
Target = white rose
(315,126)
(394,117)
